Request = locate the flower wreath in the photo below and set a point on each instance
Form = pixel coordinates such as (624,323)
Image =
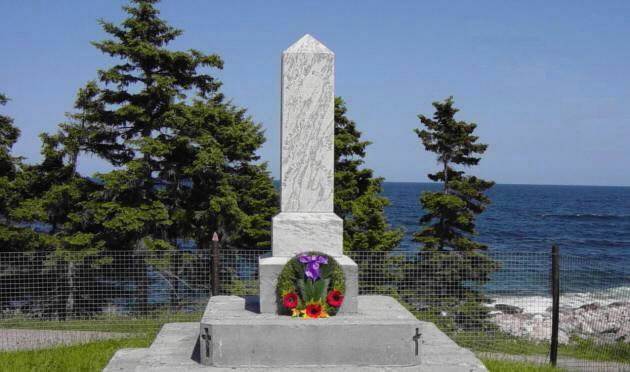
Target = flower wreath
(311,285)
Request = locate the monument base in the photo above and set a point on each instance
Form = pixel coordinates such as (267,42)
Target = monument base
(294,232)
(270,267)
(234,334)
(178,346)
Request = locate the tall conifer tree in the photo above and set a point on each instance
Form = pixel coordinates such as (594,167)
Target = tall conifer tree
(451,259)
(9,134)
(15,241)
(186,158)
(56,197)
(13,238)
(55,194)
(359,202)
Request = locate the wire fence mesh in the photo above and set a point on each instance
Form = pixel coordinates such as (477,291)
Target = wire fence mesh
(498,304)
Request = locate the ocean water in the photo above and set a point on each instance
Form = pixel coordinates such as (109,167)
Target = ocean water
(590,224)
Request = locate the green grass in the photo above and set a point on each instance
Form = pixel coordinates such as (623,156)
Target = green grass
(589,349)
(495,341)
(577,348)
(148,323)
(92,356)
(506,366)
(95,355)
(499,343)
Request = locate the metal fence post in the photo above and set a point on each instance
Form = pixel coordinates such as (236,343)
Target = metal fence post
(555,295)
(215,264)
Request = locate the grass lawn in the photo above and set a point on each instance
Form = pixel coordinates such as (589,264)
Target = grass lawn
(493,340)
(95,355)
(92,356)
(148,323)
(577,348)
(505,366)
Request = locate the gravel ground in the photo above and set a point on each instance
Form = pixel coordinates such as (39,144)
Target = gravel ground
(28,339)
(569,364)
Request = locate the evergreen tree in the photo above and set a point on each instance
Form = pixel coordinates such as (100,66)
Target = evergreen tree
(185,157)
(55,198)
(358,201)
(55,195)
(450,258)
(9,134)
(13,239)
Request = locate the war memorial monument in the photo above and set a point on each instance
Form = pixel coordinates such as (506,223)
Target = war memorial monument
(308,315)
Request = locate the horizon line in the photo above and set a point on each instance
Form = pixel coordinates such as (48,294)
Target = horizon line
(505,183)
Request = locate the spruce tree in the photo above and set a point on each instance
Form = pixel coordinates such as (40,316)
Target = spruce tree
(451,259)
(13,238)
(9,134)
(358,201)
(56,196)
(17,242)
(186,158)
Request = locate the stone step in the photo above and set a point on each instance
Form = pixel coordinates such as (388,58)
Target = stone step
(177,348)
(181,355)
(126,359)
(381,334)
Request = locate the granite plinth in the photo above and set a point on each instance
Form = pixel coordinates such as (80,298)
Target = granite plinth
(381,333)
(294,233)
(271,266)
(178,348)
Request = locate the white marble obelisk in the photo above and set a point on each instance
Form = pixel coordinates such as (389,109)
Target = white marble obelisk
(307,221)
(308,129)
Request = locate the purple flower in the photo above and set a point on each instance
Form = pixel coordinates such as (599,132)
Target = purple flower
(312,265)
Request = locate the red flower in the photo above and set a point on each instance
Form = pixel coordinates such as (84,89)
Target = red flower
(334,298)
(290,300)
(313,310)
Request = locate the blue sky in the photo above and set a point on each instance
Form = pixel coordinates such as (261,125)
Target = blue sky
(547,82)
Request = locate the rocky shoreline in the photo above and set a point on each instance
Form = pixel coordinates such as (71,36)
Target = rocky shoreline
(603,323)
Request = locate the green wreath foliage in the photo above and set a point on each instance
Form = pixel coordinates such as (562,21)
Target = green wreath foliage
(292,279)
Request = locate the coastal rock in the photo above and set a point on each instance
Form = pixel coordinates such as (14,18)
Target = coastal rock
(617,304)
(623,334)
(589,307)
(603,323)
(508,309)
(418,305)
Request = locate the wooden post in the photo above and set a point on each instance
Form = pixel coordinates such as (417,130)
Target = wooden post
(555,296)
(215,264)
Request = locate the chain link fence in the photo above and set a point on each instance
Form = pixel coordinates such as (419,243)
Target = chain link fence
(498,304)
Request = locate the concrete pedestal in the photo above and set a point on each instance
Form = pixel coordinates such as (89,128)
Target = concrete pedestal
(271,266)
(294,233)
(179,347)
(382,333)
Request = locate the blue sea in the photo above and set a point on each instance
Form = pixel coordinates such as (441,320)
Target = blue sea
(590,224)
